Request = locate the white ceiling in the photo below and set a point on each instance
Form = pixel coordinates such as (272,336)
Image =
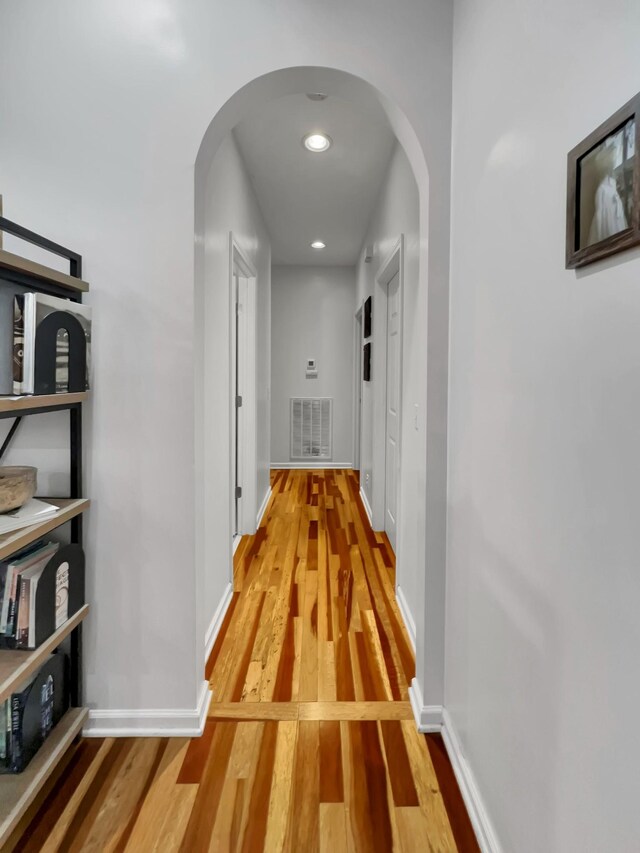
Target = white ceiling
(305,196)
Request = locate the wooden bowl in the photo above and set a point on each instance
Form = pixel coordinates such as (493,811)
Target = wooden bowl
(17,486)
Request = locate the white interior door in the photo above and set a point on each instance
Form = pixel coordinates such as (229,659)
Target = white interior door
(238,354)
(392,410)
(357,420)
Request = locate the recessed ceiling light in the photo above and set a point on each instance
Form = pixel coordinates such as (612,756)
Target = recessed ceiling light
(316,142)
(316,96)
(318,244)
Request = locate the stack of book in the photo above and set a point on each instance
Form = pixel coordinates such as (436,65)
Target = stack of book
(29,312)
(19,579)
(27,717)
(33,512)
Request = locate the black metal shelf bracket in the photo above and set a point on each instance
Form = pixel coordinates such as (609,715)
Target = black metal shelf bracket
(10,434)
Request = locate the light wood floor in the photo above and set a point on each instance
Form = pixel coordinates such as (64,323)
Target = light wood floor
(310,743)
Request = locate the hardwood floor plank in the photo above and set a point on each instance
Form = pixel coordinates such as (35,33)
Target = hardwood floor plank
(196,756)
(147,828)
(331,787)
(400,775)
(458,818)
(429,795)
(355,711)
(98,794)
(303,830)
(253,711)
(333,828)
(281,790)
(253,841)
(203,814)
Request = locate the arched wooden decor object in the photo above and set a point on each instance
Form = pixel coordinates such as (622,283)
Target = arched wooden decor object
(46,353)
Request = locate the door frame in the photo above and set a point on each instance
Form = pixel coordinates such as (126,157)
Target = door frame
(393,263)
(357,386)
(241,265)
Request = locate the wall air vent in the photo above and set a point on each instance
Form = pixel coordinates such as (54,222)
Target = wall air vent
(311,428)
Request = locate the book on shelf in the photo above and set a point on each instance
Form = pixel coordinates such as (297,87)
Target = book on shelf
(22,573)
(32,335)
(28,716)
(8,291)
(33,512)
(41,588)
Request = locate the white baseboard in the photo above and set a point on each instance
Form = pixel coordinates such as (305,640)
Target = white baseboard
(171,722)
(237,539)
(407,618)
(478,814)
(306,466)
(263,507)
(216,621)
(428,717)
(366,506)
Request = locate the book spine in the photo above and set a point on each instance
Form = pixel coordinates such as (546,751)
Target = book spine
(16,734)
(4,614)
(28,382)
(13,607)
(22,615)
(18,343)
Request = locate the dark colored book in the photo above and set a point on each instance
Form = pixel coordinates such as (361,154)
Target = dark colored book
(35,710)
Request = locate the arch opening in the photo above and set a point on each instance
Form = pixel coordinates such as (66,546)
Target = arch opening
(412,545)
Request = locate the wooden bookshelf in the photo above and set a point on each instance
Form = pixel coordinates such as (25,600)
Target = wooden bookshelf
(69,508)
(17,665)
(18,791)
(22,405)
(15,263)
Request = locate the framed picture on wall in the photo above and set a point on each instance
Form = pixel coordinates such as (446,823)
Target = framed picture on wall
(367,317)
(603,189)
(366,366)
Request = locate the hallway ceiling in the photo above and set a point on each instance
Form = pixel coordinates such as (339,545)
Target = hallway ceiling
(305,196)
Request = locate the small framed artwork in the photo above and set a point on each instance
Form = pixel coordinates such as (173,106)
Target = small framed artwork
(367,317)
(366,365)
(603,189)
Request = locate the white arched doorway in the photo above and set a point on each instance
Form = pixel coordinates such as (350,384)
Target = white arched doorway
(421,535)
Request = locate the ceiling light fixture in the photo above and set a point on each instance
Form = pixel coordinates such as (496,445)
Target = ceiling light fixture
(316,142)
(318,244)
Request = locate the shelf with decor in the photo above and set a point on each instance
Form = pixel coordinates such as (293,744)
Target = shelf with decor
(41,641)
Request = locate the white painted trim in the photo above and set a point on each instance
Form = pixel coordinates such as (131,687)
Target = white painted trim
(357,387)
(392,264)
(365,504)
(216,621)
(170,722)
(237,539)
(407,618)
(240,264)
(482,826)
(327,465)
(263,507)
(428,717)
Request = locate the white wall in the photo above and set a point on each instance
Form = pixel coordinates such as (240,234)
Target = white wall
(397,213)
(231,207)
(312,317)
(103,109)
(543,582)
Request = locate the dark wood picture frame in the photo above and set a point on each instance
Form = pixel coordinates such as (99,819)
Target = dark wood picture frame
(366,366)
(367,317)
(626,238)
